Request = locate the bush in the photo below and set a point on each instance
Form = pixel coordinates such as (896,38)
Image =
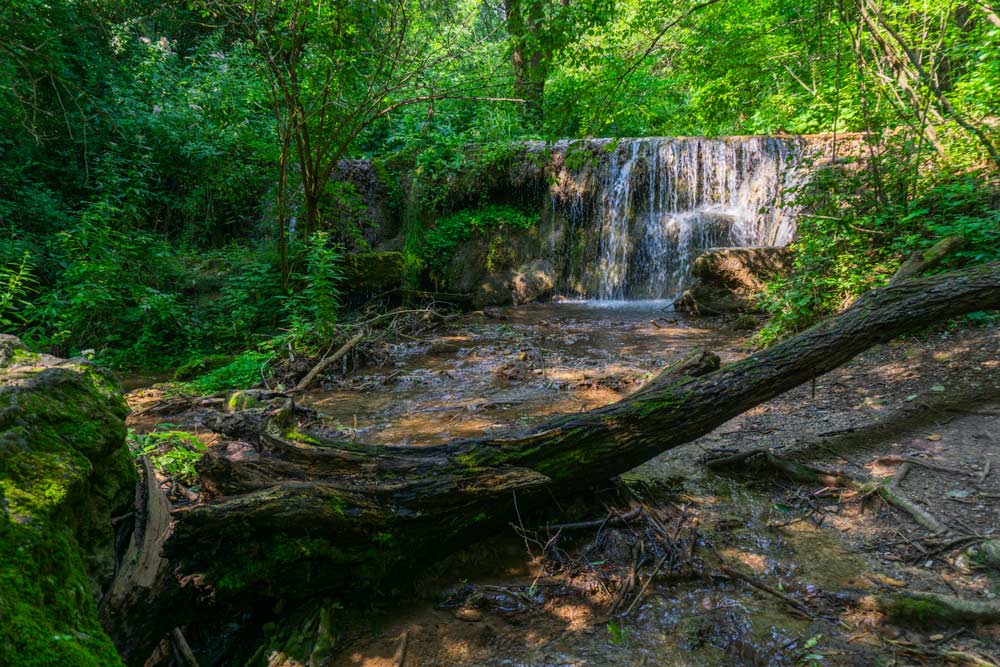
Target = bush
(245,371)
(313,308)
(442,239)
(847,245)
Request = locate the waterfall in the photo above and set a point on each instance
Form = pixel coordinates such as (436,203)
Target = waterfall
(647,207)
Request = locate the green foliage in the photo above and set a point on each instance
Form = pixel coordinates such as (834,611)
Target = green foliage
(245,371)
(442,239)
(850,243)
(618,633)
(314,306)
(201,364)
(249,301)
(15,284)
(116,293)
(173,453)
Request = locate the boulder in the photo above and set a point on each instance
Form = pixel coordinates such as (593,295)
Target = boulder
(741,270)
(502,268)
(494,290)
(727,279)
(65,471)
(373,272)
(533,281)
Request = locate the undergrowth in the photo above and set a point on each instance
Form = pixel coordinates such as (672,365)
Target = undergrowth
(849,242)
(441,241)
(171,452)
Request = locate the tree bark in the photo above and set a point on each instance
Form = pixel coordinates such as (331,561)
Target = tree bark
(308,517)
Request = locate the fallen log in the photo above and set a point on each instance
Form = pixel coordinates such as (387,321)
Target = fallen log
(310,517)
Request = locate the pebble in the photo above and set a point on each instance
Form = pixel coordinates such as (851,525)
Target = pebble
(468,614)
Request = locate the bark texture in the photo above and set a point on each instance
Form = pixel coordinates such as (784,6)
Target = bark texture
(306,517)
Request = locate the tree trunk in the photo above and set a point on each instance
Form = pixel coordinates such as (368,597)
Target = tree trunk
(308,517)
(525,21)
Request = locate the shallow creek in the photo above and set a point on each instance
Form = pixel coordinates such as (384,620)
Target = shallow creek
(513,367)
(512,601)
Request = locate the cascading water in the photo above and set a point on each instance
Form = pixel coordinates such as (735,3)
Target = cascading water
(652,205)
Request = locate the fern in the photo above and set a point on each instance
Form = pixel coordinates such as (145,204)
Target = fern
(15,284)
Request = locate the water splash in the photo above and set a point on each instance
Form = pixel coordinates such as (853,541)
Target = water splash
(653,204)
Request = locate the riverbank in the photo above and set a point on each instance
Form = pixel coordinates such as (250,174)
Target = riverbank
(523,600)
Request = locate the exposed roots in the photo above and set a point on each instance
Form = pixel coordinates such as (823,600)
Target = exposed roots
(887,489)
(919,608)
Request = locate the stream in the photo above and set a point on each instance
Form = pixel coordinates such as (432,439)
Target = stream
(512,367)
(651,588)
(515,600)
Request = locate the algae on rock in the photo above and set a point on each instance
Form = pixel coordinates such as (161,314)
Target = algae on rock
(64,472)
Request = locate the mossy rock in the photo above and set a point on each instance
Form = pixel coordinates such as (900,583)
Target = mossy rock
(243,400)
(64,472)
(373,272)
(201,365)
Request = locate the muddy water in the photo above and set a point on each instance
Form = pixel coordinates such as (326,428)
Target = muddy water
(504,603)
(514,367)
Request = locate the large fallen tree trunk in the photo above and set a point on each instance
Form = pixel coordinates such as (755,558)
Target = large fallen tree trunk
(308,517)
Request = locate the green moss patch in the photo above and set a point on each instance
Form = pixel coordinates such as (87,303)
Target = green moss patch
(64,472)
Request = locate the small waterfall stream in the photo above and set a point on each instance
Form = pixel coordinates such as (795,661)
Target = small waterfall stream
(650,206)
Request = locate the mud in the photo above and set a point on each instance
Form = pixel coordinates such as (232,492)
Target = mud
(746,567)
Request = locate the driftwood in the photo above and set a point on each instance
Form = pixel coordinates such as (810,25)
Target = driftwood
(327,361)
(919,262)
(310,517)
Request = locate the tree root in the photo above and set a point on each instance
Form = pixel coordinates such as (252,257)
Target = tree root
(919,608)
(891,493)
(887,489)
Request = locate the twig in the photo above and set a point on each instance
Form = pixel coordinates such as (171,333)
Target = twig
(186,654)
(642,591)
(986,471)
(524,533)
(400,656)
(895,458)
(326,361)
(612,519)
(760,585)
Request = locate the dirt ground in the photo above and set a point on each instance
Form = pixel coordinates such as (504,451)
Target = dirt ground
(739,565)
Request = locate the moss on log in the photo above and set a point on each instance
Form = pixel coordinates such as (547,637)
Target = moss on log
(922,608)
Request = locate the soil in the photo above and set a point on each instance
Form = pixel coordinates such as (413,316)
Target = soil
(708,568)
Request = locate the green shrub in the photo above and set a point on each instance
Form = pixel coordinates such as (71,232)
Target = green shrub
(173,453)
(442,239)
(245,371)
(314,306)
(848,244)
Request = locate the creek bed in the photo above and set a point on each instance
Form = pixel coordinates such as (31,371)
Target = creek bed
(513,367)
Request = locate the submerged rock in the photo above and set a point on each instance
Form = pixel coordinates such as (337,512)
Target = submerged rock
(64,472)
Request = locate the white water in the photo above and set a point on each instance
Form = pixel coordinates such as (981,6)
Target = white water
(656,203)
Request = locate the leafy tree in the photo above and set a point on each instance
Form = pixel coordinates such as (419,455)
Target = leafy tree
(334,70)
(539,30)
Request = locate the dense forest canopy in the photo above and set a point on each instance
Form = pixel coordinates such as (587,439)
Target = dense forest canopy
(149,149)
